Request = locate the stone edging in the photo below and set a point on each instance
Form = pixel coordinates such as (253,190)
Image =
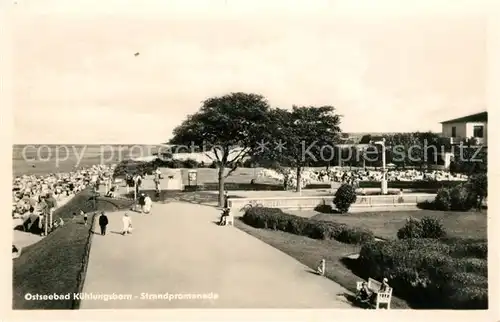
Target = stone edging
(85,262)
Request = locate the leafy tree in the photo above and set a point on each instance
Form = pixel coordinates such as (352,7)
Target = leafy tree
(227,128)
(301,137)
(412,148)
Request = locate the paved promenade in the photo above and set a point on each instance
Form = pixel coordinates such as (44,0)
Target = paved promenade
(179,249)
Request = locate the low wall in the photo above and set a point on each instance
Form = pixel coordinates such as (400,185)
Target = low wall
(313,201)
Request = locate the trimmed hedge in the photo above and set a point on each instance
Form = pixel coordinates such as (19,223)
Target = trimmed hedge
(431,273)
(276,219)
(435,185)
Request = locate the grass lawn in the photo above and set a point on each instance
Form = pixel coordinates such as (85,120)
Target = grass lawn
(310,251)
(385,224)
(57,263)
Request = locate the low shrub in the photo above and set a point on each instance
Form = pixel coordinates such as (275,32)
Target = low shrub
(276,219)
(412,229)
(425,273)
(354,235)
(325,208)
(462,198)
(432,228)
(427,227)
(190,164)
(345,196)
(468,248)
(443,200)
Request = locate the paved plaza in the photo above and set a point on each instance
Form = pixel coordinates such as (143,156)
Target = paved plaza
(179,249)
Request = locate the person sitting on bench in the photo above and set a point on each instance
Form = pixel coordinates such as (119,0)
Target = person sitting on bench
(223,217)
(364,294)
(111,192)
(385,286)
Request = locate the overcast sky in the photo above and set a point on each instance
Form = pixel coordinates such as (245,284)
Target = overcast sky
(389,66)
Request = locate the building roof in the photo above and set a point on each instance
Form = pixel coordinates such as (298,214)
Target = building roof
(478,117)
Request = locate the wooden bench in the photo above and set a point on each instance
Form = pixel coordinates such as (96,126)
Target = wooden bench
(382,298)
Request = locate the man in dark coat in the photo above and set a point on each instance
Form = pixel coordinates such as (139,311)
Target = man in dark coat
(103,222)
(141,202)
(226,199)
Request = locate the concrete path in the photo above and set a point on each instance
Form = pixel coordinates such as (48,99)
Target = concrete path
(179,249)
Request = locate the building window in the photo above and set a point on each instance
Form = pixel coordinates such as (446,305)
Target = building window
(453,131)
(478,131)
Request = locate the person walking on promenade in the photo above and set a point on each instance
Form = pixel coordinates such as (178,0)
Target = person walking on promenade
(127,224)
(156,180)
(51,205)
(138,183)
(226,199)
(85,218)
(148,203)
(103,222)
(141,202)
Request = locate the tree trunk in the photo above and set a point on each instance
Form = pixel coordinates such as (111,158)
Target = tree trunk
(299,176)
(221,185)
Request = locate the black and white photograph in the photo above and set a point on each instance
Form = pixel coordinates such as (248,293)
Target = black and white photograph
(249,155)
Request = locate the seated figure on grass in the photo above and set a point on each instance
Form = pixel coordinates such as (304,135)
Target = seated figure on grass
(321,267)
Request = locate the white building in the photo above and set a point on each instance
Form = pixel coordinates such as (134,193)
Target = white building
(471,127)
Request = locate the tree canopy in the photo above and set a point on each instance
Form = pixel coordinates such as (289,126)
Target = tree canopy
(299,137)
(223,124)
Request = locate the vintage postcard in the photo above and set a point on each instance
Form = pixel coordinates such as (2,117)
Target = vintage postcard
(284,155)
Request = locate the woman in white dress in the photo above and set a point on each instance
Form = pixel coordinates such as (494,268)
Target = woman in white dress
(147,204)
(127,224)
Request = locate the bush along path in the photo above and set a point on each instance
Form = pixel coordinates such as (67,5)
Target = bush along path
(276,219)
(431,273)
